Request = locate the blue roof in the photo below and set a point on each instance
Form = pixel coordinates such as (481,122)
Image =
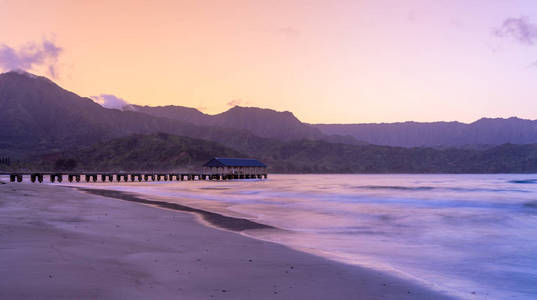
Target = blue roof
(234,162)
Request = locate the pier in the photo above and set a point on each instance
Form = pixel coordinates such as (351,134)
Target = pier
(214,169)
(128,176)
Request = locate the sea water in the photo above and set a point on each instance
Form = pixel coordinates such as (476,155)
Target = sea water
(472,236)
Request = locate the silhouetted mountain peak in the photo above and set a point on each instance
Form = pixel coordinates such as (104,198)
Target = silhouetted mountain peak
(263,122)
(173,112)
(19,74)
(24,91)
(510,120)
(260,114)
(266,123)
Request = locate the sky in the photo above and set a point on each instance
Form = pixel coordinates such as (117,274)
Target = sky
(325,61)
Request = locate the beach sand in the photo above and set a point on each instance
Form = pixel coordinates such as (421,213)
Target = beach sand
(61,243)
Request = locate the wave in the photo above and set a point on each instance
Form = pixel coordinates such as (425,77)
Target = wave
(429,188)
(532,204)
(392,187)
(524,181)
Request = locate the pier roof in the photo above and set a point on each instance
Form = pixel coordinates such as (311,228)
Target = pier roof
(234,162)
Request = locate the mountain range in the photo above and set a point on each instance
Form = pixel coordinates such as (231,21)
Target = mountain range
(41,122)
(265,123)
(485,131)
(38,116)
(285,126)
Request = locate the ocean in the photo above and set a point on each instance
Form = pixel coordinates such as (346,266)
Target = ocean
(471,236)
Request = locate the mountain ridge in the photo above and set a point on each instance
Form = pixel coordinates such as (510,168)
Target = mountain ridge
(39,116)
(263,122)
(484,131)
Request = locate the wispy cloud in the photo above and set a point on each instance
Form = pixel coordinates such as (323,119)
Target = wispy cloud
(30,56)
(110,101)
(235,102)
(518,29)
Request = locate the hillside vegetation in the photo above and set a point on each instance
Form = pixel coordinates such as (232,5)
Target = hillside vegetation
(156,152)
(165,152)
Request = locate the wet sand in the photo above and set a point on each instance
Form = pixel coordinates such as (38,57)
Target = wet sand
(60,243)
(217,220)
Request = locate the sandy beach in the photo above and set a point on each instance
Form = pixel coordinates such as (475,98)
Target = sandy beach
(60,243)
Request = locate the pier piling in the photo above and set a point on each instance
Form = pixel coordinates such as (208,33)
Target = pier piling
(132,177)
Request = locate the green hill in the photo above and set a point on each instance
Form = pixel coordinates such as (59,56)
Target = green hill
(156,152)
(165,152)
(323,157)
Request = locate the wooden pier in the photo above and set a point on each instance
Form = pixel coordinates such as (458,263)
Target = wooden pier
(128,176)
(214,169)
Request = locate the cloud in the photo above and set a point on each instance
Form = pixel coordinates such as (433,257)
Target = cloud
(234,102)
(239,102)
(110,101)
(31,55)
(518,29)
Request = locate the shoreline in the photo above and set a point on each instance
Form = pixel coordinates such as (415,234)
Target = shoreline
(218,220)
(58,242)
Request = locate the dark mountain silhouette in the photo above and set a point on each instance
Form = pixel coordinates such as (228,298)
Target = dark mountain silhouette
(168,152)
(181,113)
(38,116)
(30,110)
(485,131)
(310,156)
(157,152)
(265,123)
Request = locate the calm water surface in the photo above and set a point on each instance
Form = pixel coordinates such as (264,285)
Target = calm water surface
(474,236)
